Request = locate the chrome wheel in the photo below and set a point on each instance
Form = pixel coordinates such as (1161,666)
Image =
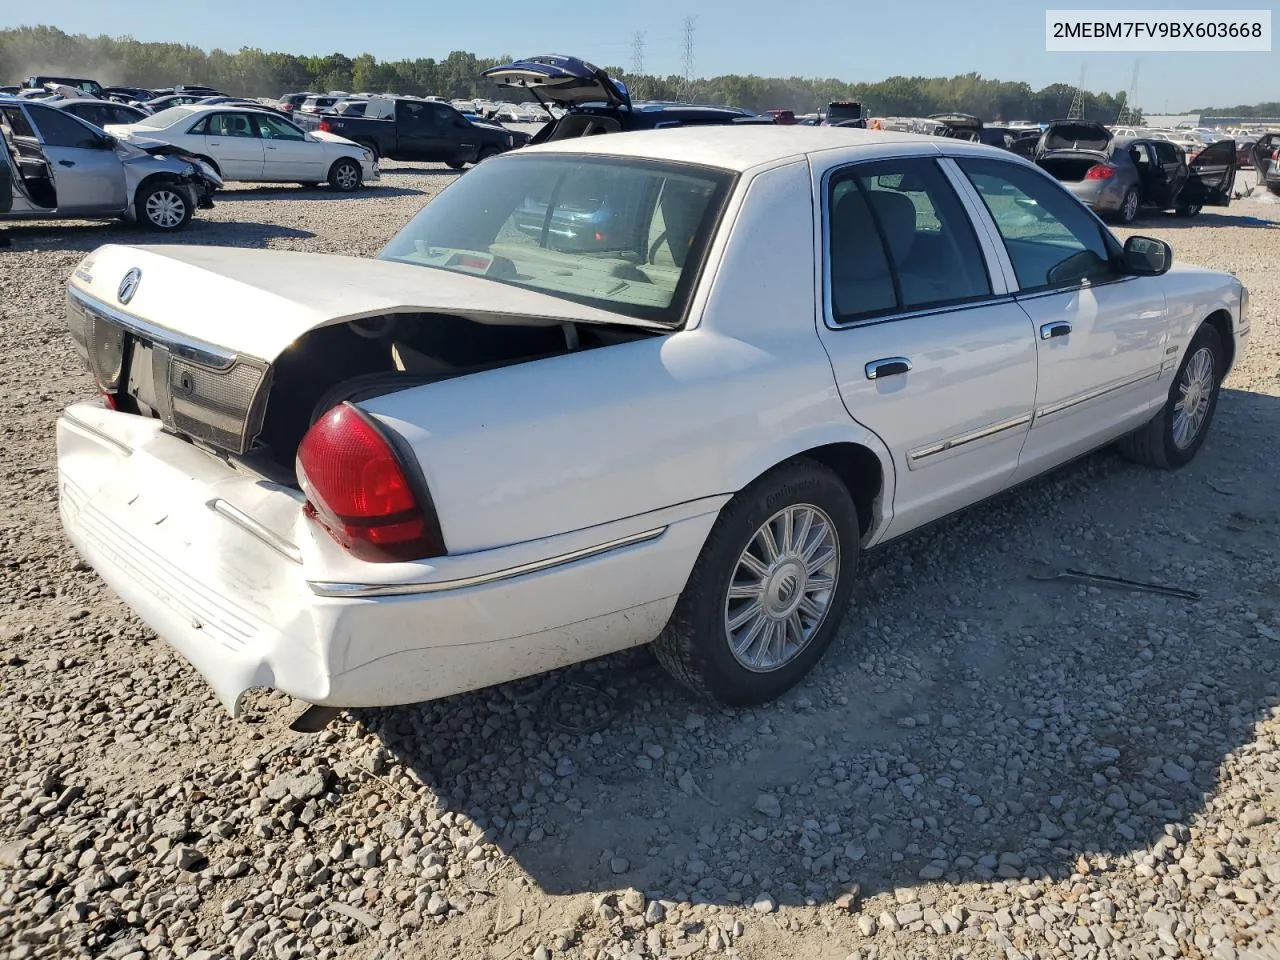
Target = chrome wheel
(781,589)
(1195,390)
(1130,210)
(166,209)
(347,177)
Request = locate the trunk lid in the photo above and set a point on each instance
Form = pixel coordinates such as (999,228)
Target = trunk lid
(1075,135)
(562,80)
(191,333)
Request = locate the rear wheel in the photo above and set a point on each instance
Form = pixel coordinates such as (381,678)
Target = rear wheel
(768,590)
(345,175)
(1174,435)
(162,206)
(1188,210)
(1129,206)
(454,164)
(1274,188)
(486,153)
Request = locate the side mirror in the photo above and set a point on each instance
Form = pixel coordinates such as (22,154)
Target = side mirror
(108,142)
(1147,256)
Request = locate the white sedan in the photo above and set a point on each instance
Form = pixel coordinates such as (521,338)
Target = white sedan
(650,387)
(244,143)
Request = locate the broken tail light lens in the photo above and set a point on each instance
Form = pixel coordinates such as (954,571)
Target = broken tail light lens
(358,489)
(1100,171)
(324,126)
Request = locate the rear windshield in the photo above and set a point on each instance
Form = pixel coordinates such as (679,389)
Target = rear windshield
(165,118)
(624,235)
(844,111)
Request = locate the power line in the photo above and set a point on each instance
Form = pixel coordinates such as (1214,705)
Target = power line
(637,53)
(690,25)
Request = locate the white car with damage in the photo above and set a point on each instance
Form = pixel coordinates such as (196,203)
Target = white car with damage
(651,387)
(253,145)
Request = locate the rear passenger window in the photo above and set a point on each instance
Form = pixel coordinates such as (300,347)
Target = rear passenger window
(900,240)
(1052,240)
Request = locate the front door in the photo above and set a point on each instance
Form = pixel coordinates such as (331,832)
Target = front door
(86,172)
(233,142)
(927,350)
(1101,337)
(287,153)
(1210,176)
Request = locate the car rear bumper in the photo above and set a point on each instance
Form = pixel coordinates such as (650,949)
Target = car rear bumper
(1099,196)
(223,567)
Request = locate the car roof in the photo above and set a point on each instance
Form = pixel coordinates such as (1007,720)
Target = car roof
(740,147)
(62,104)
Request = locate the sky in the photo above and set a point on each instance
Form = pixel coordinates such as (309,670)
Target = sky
(1000,39)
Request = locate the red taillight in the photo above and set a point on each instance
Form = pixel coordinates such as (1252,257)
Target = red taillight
(324,126)
(1100,171)
(358,490)
(599,237)
(1275,155)
(109,401)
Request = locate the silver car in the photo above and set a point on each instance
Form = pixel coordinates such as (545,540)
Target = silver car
(57,166)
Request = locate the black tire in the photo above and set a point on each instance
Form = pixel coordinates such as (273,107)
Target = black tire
(345,175)
(1129,206)
(1188,210)
(455,164)
(1274,188)
(486,153)
(309,184)
(162,206)
(1156,444)
(694,646)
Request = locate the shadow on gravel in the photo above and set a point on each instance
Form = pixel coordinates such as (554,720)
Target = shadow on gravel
(288,192)
(425,171)
(969,724)
(90,236)
(1207,218)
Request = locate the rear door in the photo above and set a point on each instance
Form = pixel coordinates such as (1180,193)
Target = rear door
(1173,161)
(232,140)
(1150,173)
(928,350)
(1263,151)
(1211,176)
(287,154)
(87,175)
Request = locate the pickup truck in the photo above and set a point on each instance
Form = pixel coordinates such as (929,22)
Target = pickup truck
(407,128)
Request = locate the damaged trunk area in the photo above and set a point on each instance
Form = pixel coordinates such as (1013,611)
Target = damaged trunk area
(1070,167)
(259,413)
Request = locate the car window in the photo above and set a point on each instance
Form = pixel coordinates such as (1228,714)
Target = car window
(444,116)
(16,120)
(1141,154)
(1166,152)
(272,128)
(624,235)
(231,125)
(900,239)
(1051,238)
(124,115)
(416,114)
(62,130)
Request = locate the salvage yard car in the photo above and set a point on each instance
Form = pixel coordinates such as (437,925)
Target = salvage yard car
(1119,176)
(57,166)
(245,143)
(491,452)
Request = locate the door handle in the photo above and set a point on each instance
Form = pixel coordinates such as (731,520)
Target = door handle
(1059,328)
(888,367)
(66,163)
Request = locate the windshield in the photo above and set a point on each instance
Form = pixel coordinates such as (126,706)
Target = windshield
(620,234)
(165,118)
(844,111)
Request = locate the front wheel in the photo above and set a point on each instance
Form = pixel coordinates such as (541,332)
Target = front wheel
(768,589)
(1174,435)
(345,176)
(1188,210)
(486,153)
(162,206)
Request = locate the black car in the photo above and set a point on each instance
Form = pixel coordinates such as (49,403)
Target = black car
(595,102)
(128,94)
(100,112)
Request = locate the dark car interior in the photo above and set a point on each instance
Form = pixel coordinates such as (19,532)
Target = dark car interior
(22,150)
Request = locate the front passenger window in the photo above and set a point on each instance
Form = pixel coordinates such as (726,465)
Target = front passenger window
(1052,240)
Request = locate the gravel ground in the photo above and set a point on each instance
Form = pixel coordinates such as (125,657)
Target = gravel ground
(983,766)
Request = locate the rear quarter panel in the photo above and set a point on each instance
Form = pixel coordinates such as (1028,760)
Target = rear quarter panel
(571,442)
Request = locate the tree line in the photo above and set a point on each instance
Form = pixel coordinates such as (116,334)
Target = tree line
(254,72)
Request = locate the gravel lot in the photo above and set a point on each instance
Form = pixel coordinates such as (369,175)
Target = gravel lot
(984,765)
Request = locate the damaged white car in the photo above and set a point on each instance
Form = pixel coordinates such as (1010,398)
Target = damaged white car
(652,386)
(57,166)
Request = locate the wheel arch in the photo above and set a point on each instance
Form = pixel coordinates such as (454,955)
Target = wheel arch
(1220,320)
(857,458)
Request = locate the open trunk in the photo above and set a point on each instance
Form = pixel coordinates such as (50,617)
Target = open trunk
(275,339)
(1070,166)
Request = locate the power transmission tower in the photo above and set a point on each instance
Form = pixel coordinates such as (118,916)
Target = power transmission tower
(637,62)
(690,24)
(1126,107)
(1077,102)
